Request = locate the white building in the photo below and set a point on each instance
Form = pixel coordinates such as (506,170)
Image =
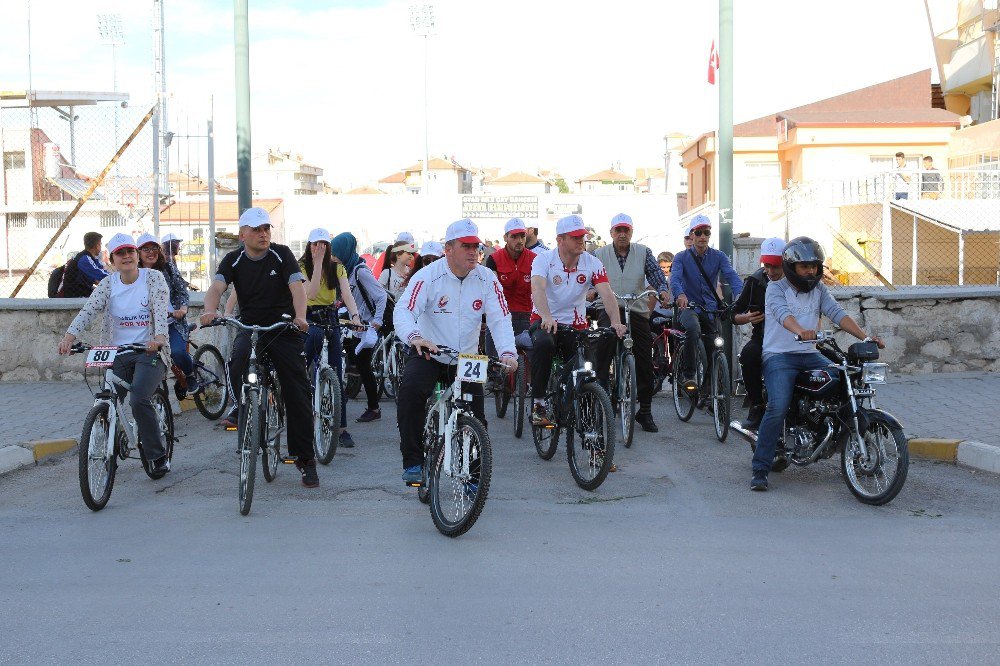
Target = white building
(278,173)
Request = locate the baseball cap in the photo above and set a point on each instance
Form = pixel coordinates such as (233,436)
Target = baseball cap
(254,217)
(572,225)
(770,251)
(405,237)
(699,220)
(118,241)
(401,246)
(621,220)
(432,248)
(514,224)
(170,237)
(319,235)
(146,239)
(464,231)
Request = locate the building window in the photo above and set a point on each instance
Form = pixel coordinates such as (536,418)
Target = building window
(17,220)
(298,247)
(13,160)
(111,218)
(49,220)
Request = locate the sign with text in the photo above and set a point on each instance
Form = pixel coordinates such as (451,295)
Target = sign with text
(489,206)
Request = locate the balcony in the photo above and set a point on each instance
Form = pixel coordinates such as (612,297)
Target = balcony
(971,65)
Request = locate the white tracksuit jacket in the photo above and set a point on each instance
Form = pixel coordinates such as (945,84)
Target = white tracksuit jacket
(439,307)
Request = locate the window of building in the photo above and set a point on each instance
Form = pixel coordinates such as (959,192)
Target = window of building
(17,220)
(111,218)
(13,160)
(49,220)
(298,247)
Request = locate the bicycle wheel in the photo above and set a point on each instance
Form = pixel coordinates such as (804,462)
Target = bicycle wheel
(660,364)
(326,421)
(378,369)
(721,395)
(211,398)
(458,488)
(250,431)
(503,389)
(98,462)
(520,396)
(165,423)
(429,442)
(274,423)
(627,398)
(876,478)
(684,401)
(591,458)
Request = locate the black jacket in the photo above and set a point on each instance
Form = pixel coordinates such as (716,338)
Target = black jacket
(752,298)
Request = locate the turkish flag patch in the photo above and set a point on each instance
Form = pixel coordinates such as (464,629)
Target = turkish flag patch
(477,304)
(581,278)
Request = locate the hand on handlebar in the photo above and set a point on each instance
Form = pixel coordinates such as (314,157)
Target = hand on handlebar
(424,347)
(620,329)
(66,344)
(301,324)
(207,318)
(682,302)
(807,335)
(549,325)
(509,364)
(878,341)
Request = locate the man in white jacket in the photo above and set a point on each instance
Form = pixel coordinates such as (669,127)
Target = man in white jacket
(443,304)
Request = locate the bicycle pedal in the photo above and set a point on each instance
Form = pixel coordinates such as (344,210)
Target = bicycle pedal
(414,484)
(290,460)
(231,428)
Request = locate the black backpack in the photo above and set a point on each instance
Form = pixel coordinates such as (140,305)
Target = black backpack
(56,282)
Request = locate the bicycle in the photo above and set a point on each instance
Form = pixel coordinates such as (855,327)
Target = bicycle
(387,364)
(458,458)
(664,349)
(110,432)
(711,376)
(580,406)
(261,414)
(211,396)
(622,386)
(327,399)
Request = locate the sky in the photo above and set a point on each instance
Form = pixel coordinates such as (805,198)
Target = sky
(571,85)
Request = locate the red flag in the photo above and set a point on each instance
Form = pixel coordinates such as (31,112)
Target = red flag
(713,63)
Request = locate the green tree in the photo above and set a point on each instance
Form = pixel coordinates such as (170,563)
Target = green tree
(563,187)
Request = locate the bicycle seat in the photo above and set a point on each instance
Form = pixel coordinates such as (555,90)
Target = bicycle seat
(523,340)
(192,327)
(660,321)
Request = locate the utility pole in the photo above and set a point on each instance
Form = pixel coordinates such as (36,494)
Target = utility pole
(210,131)
(725,149)
(243,105)
(161,164)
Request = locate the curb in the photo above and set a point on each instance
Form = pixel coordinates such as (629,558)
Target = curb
(967,453)
(14,457)
(939,449)
(49,447)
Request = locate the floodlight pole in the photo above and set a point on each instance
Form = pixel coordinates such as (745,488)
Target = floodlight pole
(243,175)
(210,131)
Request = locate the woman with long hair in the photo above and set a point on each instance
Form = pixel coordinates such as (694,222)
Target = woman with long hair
(326,284)
(151,256)
(397,267)
(133,304)
(371,300)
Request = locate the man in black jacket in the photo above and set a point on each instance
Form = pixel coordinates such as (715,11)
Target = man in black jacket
(749,309)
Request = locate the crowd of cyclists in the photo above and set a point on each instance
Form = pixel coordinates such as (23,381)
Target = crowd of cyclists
(527,295)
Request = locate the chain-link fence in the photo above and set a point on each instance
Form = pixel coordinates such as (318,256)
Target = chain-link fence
(55,154)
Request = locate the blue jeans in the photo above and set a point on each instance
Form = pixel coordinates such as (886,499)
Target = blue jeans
(334,356)
(178,348)
(780,371)
(901,195)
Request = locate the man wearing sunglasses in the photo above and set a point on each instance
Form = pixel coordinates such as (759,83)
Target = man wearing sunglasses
(693,277)
(512,264)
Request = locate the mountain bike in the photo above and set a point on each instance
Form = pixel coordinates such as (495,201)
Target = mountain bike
(710,377)
(387,364)
(458,457)
(110,431)
(327,399)
(622,387)
(664,349)
(579,407)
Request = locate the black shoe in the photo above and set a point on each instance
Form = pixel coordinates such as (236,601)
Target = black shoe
(754,417)
(310,479)
(688,383)
(370,415)
(346,441)
(780,463)
(160,468)
(759,481)
(645,420)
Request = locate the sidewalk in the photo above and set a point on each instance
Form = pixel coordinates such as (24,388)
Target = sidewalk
(43,410)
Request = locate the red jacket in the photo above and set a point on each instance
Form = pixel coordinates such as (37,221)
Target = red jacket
(515,277)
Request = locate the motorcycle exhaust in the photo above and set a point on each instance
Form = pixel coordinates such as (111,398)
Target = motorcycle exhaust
(818,451)
(749,435)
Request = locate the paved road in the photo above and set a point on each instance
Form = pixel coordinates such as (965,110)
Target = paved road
(672,560)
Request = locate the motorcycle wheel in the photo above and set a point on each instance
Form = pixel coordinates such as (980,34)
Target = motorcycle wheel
(876,478)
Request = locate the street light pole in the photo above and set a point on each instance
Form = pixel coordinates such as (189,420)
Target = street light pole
(725,153)
(422,22)
(243,105)
(109,26)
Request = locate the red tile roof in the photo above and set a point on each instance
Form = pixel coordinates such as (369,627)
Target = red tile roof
(366,189)
(923,117)
(607,175)
(398,177)
(225,211)
(518,177)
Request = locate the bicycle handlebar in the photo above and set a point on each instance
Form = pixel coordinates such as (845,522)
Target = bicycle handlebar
(236,323)
(444,350)
(637,297)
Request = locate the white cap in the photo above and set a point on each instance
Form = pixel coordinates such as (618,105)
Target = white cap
(319,235)
(771,249)
(404,237)
(514,224)
(700,220)
(170,237)
(119,240)
(572,225)
(621,220)
(254,217)
(432,248)
(464,231)
(146,239)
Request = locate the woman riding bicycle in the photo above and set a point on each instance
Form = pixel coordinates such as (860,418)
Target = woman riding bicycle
(133,302)
(151,256)
(326,284)
(397,267)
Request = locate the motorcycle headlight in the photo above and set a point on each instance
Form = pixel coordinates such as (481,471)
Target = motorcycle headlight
(719,341)
(252,378)
(874,373)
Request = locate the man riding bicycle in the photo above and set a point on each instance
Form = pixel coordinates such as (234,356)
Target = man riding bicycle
(693,279)
(512,264)
(270,285)
(443,304)
(792,309)
(560,280)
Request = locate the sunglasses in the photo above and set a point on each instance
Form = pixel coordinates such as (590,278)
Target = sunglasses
(701,232)
(149,248)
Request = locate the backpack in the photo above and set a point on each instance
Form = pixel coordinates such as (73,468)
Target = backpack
(56,282)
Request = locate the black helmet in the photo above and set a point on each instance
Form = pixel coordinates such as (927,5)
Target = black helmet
(802,250)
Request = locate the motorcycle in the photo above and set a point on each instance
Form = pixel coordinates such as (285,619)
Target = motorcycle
(833,410)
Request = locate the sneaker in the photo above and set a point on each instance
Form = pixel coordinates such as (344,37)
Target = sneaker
(759,481)
(310,479)
(413,474)
(754,417)
(645,420)
(160,468)
(230,421)
(370,415)
(539,416)
(780,463)
(346,441)
(192,385)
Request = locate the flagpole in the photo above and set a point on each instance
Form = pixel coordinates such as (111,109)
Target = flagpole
(725,60)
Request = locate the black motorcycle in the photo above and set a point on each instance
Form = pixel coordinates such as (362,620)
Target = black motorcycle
(831,410)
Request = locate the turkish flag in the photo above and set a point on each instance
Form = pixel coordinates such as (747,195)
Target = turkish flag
(713,63)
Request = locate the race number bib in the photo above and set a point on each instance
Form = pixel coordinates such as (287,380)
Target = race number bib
(101,357)
(472,368)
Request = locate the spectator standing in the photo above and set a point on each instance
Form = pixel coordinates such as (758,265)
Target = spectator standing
(900,179)
(931,184)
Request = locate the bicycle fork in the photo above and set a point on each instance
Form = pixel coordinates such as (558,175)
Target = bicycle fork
(449,431)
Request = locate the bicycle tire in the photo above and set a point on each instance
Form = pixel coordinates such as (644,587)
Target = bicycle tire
(721,395)
(212,397)
(502,393)
(249,444)
(326,421)
(165,422)
(659,365)
(429,442)
(684,402)
(478,484)
(378,369)
(97,421)
(628,396)
(602,439)
(520,397)
(274,420)
(352,385)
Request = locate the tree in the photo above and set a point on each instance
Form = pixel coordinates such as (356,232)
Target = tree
(561,184)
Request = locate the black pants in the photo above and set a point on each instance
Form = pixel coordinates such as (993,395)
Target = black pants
(144,372)
(642,349)
(695,325)
(419,377)
(519,320)
(543,350)
(753,368)
(363,364)
(286,351)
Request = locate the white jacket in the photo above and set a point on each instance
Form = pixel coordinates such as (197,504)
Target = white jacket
(439,307)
